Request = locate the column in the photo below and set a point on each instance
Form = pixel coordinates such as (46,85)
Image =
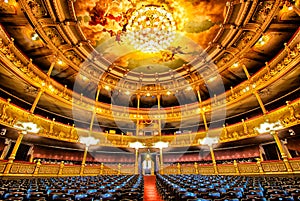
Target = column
(255,92)
(36,100)
(41,91)
(178,168)
(101,168)
(84,159)
(287,151)
(161,161)
(6,149)
(201,111)
(31,152)
(138,113)
(261,104)
(51,66)
(213,158)
(204,120)
(258,163)
(282,152)
(95,108)
(136,165)
(13,153)
(119,168)
(159,119)
(261,149)
(246,71)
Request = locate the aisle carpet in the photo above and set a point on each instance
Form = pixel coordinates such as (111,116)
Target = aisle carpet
(150,191)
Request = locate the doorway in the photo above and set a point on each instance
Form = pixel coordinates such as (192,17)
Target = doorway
(148,163)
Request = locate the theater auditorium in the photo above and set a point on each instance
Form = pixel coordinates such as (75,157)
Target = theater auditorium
(150,100)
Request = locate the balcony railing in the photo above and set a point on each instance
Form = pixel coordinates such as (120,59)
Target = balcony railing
(258,168)
(288,115)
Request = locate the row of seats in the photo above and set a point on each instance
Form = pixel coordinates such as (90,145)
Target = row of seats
(89,188)
(227,188)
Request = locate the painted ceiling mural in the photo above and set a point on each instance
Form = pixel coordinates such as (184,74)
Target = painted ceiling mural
(150,34)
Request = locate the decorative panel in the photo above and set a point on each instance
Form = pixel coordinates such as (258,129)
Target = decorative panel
(19,168)
(49,169)
(2,166)
(171,170)
(207,169)
(67,170)
(277,166)
(295,165)
(248,168)
(91,170)
(225,169)
(188,169)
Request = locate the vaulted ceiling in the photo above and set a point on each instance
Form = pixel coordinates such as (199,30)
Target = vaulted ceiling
(90,46)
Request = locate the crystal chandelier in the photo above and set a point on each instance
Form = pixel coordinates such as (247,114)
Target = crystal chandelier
(151,29)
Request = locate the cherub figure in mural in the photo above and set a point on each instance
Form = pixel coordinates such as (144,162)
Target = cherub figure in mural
(98,15)
(169,54)
(112,15)
(118,37)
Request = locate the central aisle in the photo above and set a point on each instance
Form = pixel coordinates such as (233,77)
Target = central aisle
(150,191)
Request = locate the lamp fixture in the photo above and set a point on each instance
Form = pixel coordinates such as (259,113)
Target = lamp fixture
(209,141)
(107,87)
(26,127)
(88,140)
(161,145)
(34,37)
(269,127)
(236,64)
(151,29)
(136,145)
(60,62)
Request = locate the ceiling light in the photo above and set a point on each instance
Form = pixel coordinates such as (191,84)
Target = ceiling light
(60,62)
(84,78)
(235,65)
(189,88)
(148,94)
(290,8)
(212,79)
(168,93)
(106,87)
(151,29)
(262,41)
(51,88)
(292,132)
(34,37)
(127,93)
